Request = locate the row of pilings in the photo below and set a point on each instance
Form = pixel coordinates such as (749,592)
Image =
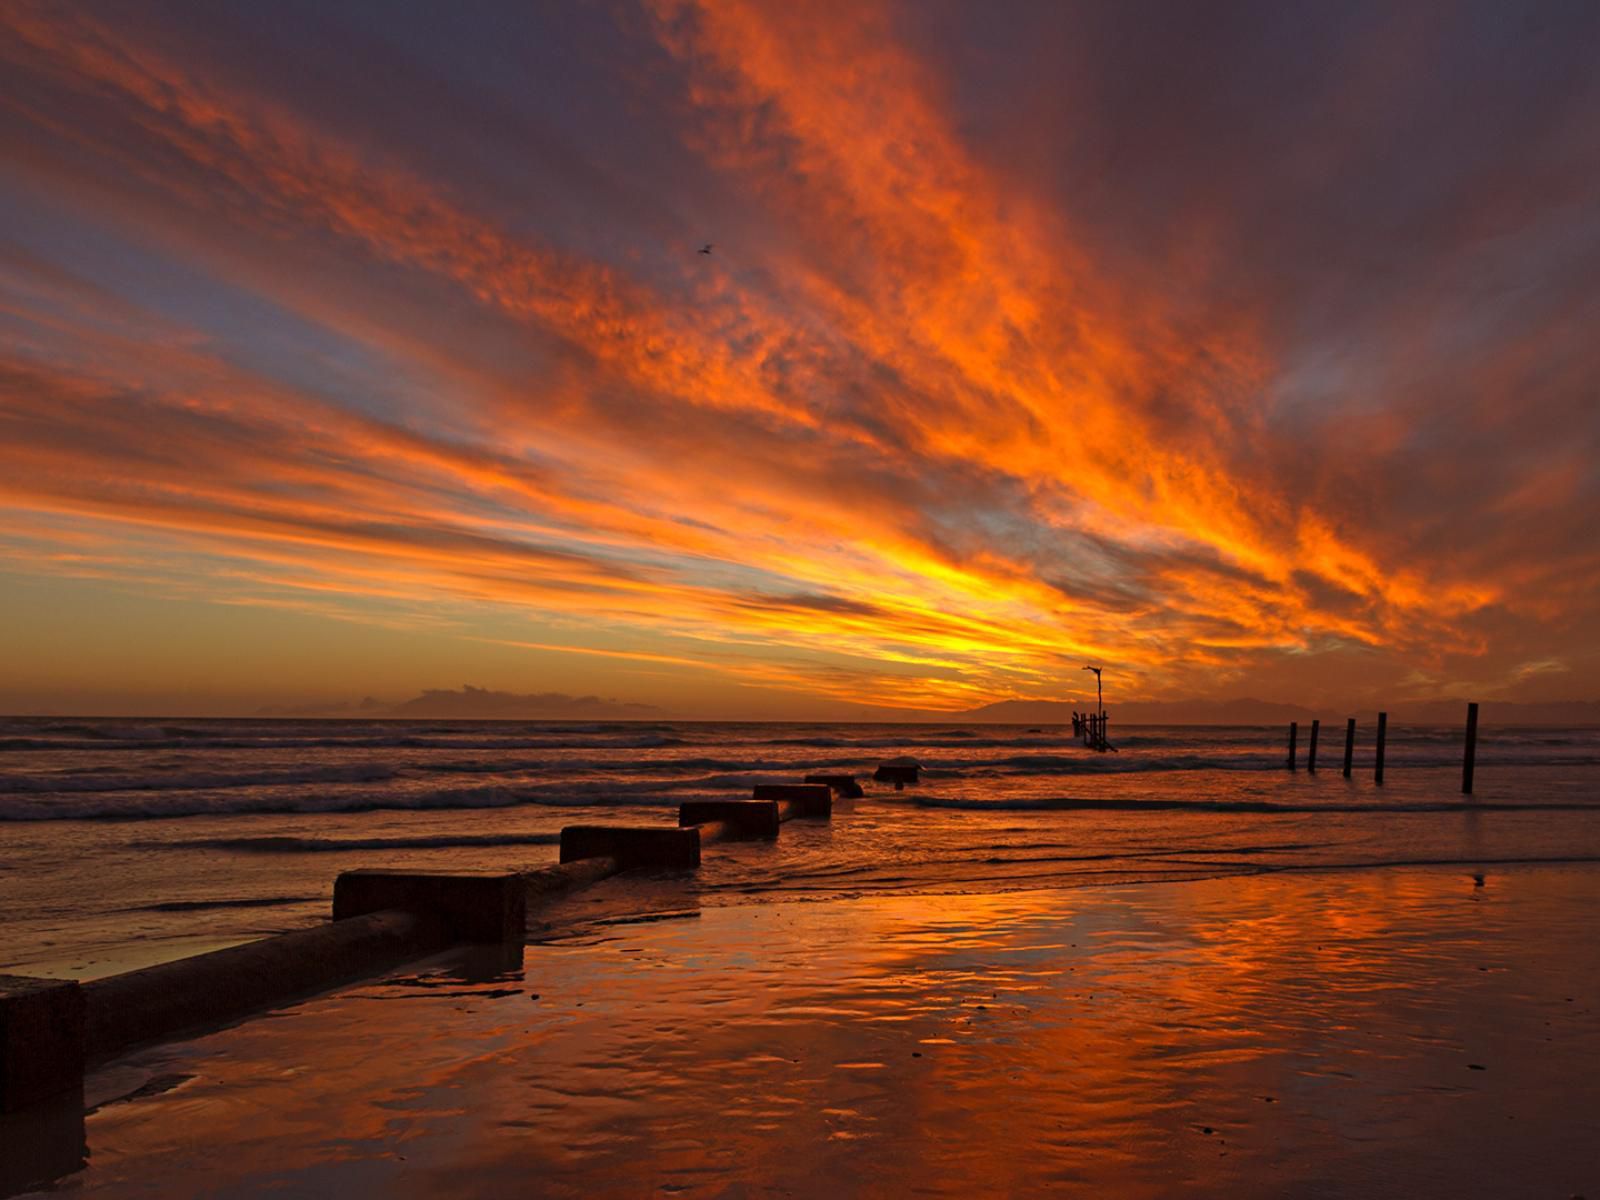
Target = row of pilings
(1468,758)
(1090,729)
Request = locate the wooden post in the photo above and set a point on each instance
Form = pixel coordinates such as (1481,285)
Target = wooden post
(1383,730)
(1294,729)
(1311,750)
(1349,744)
(1470,760)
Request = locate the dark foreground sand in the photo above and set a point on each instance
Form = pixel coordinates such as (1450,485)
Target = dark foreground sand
(1372,1033)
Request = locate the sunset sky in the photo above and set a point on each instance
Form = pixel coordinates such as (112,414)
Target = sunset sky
(356,350)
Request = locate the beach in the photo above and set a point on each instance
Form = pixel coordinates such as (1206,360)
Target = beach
(1176,969)
(1381,1032)
(731,599)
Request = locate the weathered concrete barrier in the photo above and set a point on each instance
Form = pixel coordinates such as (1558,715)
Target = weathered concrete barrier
(545,882)
(210,989)
(744,818)
(42,1143)
(844,786)
(798,799)
(717,831)
(41,1040)
(472,906)
(50,1029)
(633,846)
(898,771)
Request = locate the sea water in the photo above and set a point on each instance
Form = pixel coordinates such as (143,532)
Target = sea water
(128,841)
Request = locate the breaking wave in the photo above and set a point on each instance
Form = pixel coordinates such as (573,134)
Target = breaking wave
(57,781)
(315,845)
(395,740)
(1126,804)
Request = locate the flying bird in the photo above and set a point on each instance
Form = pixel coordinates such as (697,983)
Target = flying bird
(706,249)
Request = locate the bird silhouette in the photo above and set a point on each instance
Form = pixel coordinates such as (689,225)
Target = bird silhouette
(706,249)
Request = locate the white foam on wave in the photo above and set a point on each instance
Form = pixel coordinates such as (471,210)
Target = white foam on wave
(395,740)
(153,805)
(290,844)
(1163,804)
(100,781)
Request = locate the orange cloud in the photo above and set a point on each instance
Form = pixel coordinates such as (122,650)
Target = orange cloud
(929,442)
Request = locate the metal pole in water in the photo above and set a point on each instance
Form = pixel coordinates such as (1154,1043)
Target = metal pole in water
(1383,729)
(1311,750)
(1349,744)
(1468,762)
(1100,699)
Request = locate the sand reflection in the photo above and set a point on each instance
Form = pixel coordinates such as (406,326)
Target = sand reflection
(1350,1033)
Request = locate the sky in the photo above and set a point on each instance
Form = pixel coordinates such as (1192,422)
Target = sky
(362,349)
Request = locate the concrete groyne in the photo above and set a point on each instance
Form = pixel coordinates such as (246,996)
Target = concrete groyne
(156,1002)
(52,1029)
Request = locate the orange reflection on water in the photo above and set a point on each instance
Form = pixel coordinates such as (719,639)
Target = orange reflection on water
(1264,1035)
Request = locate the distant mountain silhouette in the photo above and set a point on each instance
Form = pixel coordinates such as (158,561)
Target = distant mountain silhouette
(1139,712)
(482,703)
(486,704)
(1248,711)
(1499,712)
(368,707)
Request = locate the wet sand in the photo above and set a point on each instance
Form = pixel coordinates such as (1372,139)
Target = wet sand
(1392,1032)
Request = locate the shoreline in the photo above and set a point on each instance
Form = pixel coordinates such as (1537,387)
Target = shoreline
(643,895)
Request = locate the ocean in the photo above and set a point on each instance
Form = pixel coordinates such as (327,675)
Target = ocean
(125,841)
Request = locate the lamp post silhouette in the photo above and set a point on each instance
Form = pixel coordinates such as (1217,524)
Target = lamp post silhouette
(1100,705)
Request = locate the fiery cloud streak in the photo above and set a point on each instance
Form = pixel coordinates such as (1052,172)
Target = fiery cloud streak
(910,441)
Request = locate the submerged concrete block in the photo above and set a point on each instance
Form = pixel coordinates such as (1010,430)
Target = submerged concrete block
(633,846)
(804,799)
(472,906)
(844,786)
(189,994)
(898,771)
(41,1040)
(745,818)
(542,883)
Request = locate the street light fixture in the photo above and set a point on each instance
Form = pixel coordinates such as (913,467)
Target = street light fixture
(1100,704)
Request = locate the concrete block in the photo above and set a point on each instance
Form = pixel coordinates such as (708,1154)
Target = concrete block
(41,1145)
(844,786)
(745,818)
(633,846)
(806,799)
(41,1040)
(543,883)
(472,906)
(898,771)
(206,990)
